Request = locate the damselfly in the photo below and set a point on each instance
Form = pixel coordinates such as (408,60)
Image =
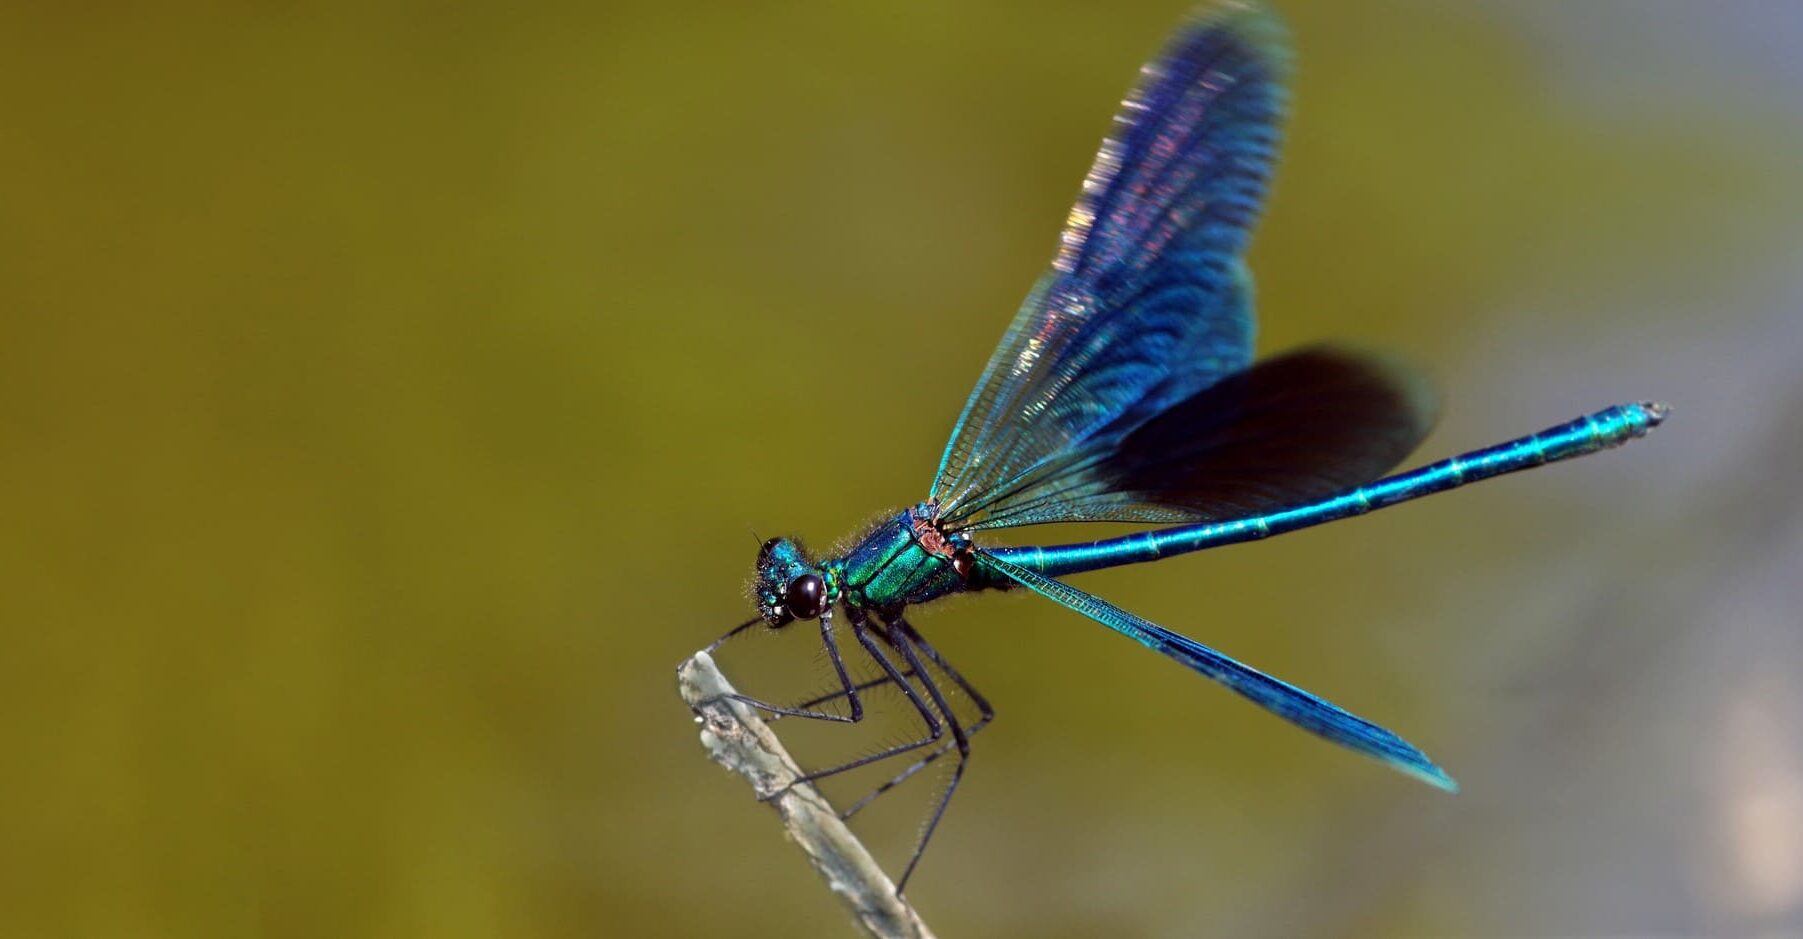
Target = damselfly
(1125,391)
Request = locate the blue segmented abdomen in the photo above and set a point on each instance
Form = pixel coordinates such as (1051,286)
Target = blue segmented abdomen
(1607,428)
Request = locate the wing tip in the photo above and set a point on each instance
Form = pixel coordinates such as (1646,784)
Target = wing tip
(1251,22)
(1426,771)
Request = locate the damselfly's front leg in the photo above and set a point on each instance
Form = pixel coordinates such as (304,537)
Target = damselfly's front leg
(849,692)
(876,682)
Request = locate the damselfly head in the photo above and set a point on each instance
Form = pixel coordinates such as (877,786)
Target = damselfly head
(790,586)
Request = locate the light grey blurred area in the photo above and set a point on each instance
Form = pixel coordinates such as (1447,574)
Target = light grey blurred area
(1640,686)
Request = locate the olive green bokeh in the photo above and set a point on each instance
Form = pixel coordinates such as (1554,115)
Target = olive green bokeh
(385,392)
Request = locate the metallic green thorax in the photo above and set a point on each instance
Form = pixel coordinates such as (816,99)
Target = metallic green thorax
(905,560)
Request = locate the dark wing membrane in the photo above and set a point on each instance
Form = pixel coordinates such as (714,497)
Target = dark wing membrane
(1146,302)
(1289,430)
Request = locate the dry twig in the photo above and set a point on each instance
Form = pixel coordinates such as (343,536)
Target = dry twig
(737,739)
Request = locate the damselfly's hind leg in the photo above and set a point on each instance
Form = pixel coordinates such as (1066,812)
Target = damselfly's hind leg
(985,715)
(905,638)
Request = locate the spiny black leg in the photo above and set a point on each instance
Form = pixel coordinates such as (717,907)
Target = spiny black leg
(717,643)
(932,654)
(876,682)
(850,692)
(987,714)
(935,729)
(900,638)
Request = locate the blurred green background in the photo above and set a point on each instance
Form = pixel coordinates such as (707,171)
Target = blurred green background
(386,391)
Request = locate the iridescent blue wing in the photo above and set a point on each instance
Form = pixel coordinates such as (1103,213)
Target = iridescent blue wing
(1287,431)
(1146,302)
(1285,700)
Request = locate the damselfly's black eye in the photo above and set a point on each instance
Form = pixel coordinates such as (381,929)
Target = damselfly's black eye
(805,596)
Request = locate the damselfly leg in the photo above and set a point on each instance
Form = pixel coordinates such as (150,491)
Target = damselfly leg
(849,691)
(986,714)
(866,685)
(901,636)
(865,633)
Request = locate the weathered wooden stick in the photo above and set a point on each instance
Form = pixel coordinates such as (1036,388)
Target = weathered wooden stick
(736,738)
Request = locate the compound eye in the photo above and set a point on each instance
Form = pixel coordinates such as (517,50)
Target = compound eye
(806,596)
